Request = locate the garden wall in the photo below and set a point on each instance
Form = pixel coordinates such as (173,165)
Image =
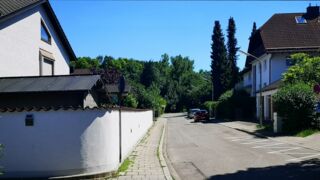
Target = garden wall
(68,142)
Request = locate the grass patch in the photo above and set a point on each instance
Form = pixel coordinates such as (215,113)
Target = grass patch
(307,132)
(264,127)
(123,168)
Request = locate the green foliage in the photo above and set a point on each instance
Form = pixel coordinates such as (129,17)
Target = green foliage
(306,69)
(220,71)
(307,132)
(169,84)
(125,166)
(235,104)
(295,104)
(86,63)
(130,101)
(254,29)
(149,74)
(225,107)
(232,54)
(210,104)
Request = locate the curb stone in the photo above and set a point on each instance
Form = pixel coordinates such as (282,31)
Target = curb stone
(173,172)
(161,157)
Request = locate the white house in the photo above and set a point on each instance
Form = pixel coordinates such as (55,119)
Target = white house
(53,123)
(272,44)
(32,42)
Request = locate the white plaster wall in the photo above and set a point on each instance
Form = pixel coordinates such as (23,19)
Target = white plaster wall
(278,66)
(20,41)
(134,127)
(67,142)
(264,69)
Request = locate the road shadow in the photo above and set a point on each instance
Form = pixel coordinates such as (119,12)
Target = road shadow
(309,169)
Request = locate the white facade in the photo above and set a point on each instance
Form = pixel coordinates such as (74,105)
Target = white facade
(279,66)
(272,66)
(68,142)
(262,67)
(20,44)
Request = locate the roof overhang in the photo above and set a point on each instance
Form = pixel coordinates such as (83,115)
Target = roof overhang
(54,20)
(272,86)
(293,49)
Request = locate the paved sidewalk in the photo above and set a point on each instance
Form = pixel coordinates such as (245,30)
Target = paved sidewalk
(146,164)
(311,142)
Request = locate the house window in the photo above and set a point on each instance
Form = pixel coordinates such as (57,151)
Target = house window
(45,35)
(47,67)
(300,20)
(249,76)
(46,63)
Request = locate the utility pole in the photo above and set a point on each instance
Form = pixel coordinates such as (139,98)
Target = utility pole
(260,86)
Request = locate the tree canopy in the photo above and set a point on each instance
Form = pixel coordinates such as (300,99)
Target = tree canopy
(305,69)
(169,83)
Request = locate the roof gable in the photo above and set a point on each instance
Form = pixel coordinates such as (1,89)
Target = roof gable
(282,31)
(11,8)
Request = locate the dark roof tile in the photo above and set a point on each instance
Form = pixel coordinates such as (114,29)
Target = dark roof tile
(48,83)
(10,6)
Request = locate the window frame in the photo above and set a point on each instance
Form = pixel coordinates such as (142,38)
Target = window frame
(43,26)
(42,59)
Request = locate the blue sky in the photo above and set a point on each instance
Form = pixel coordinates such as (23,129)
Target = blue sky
(146,30)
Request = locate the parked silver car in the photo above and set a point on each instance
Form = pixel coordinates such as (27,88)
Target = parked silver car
(191,112)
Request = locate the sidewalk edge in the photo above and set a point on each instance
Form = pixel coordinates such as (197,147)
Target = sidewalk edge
(174,174)
(163,162)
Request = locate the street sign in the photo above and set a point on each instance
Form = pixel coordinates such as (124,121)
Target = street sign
(122,84)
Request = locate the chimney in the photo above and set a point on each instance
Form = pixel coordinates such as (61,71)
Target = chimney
(312,12)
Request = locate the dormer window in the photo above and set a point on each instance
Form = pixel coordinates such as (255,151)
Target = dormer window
(45,35)
(300,20)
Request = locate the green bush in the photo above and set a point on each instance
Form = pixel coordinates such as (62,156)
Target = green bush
(235,104)
(295,104)
(225,107)
(211,106)
(130,101)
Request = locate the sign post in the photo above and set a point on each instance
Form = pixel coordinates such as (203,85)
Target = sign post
(121,88)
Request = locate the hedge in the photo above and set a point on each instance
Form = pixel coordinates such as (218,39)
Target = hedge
(295,103)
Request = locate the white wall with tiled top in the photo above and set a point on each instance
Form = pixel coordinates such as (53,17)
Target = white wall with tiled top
(20,42)
(68,142)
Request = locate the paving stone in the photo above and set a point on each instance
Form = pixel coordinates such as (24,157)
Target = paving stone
(146,163)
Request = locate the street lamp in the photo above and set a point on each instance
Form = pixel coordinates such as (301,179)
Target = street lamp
(260,86)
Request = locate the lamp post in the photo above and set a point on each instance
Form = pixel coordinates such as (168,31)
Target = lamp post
(260,85)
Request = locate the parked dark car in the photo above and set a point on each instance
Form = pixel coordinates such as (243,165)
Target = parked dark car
(191,112)
(201,115)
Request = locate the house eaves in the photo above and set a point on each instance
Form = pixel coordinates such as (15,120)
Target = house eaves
(12,8)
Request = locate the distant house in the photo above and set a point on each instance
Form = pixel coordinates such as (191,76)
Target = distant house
(273,43)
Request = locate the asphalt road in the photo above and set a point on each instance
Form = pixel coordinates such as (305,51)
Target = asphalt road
(208,150)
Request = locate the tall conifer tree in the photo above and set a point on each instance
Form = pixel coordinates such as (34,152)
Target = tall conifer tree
(254,29)
(218,60)
(232,54)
